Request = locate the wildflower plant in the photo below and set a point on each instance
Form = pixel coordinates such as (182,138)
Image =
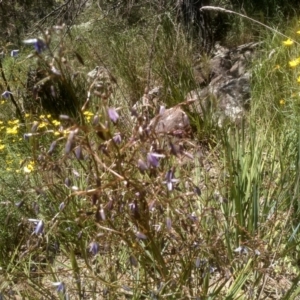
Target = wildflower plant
(106,206)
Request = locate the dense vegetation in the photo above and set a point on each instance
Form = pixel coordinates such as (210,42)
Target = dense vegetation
(95,205)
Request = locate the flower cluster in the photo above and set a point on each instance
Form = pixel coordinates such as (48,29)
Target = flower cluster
(294,62)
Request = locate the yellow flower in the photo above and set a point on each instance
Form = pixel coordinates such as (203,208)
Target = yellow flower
(29,168)
(27,115)
(56,123)
(294,63)
(2,147)
(298,31)
(42,125)
(282,102)
(88,115)
(298,79)
(13,130)
(14,122)
(288,42)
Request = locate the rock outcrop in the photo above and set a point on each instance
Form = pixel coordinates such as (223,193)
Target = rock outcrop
(227,92)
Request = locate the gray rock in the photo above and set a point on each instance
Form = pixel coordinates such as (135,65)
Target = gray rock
(173,121)
(228,93)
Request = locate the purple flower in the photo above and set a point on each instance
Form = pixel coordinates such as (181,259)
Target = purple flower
(60,287)
(141,236)
(117,138)
(6,94)
(241,250)
(94,248)
(38,44)
(113,115)
(39,229)
(14,53)
(26,136)
(152,159)
(170,179)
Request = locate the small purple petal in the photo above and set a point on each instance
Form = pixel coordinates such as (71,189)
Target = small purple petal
(170,180)
(6,94)
(117,139)
(152,160)
(38,44)
(94,248)
(61,206)
(39,229)
(169,175)
(141,236)
(113,115)
(26,136)
(60,287)
(14,53)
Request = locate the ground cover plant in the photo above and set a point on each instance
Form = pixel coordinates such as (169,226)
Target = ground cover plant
(96,205)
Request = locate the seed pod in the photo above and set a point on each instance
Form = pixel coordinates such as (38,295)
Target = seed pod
(52,148)
(95,120)
(133,261)
(34,126)
(168,223)
(78,153)
(70,142)
(64,118)
(68,182)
